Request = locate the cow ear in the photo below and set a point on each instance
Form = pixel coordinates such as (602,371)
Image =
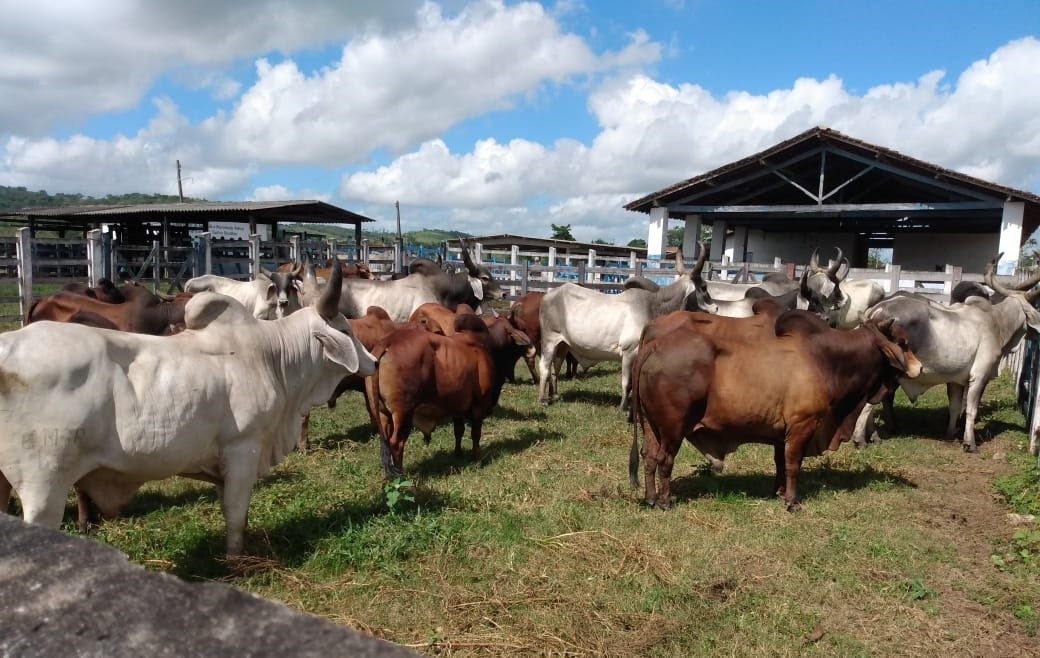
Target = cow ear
(298,284)
(342,351)
(478,288)
(272,292)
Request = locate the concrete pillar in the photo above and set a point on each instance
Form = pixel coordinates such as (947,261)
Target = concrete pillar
(1010,236)
(591,262)
(718,239)
(550,275)
(657,236)
(690,234)
(735,248)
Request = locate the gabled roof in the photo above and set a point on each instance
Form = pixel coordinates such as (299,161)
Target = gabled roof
(824,173)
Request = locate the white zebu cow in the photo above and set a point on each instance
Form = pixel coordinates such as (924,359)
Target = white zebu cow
(108,411)
(842,301)
(271,295)
(959,345)
(598,327)
(426,283)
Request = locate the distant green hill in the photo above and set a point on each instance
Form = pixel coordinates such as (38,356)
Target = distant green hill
(16,198)
(428,237)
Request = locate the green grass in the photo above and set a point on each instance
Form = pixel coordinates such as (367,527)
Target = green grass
(542,547)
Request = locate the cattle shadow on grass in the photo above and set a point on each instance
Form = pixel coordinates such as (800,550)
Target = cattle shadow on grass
(601,398)
(702,483)
(445,462)
(363,433)
(295,539)
(930,423)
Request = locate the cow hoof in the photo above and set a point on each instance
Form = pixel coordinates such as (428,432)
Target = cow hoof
(794,506)
(970,447)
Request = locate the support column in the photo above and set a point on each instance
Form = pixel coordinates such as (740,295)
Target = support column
(657,236)
(551,275)
(735,248)
(1010,236)
(691,234)
(718,240)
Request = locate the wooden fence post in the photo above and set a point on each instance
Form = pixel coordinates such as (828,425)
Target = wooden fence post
(364,253)
(23,252)
(525,277)
(895,272)
(955,273)
(95,257)
(254,256)
(156,272)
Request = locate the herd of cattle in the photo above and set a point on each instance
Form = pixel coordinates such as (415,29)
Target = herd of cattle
(107,388)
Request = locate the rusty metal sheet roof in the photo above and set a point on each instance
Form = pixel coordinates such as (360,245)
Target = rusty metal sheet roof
(304,211)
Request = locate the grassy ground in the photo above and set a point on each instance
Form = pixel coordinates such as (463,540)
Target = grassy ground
(903,548)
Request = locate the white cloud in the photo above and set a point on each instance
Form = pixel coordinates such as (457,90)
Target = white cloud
(654,134)
(396,91)
(61,60)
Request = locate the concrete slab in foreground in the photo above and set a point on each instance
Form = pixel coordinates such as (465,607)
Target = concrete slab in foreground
(62,595)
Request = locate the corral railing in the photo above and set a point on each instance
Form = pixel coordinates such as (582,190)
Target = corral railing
(520,271)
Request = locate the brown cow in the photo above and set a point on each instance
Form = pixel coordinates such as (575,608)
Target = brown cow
(138,315)
(505,347)
(106,291)
(424,377)
(352,271)
(799,389)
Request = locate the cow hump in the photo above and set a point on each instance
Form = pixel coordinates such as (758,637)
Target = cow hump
(207,308)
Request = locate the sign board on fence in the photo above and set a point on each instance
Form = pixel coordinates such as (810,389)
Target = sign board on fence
(235,231)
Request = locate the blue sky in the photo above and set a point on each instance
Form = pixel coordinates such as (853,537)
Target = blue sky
(493,117)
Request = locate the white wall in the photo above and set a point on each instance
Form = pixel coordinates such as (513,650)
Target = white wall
(924,252)
(796,247)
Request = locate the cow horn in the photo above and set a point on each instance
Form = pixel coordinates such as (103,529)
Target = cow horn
(266,272)
(843,271)
(814,260)
(803,285)
(680,267)
(297,269)
(467,260)
(832,269)
(702,255)
(328,303)
(991,280)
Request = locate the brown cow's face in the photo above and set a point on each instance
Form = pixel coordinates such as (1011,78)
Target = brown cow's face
(895,344)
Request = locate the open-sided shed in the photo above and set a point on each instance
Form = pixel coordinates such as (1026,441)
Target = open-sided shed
(173,223)
(822,188)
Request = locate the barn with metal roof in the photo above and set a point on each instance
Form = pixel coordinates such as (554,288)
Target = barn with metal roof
(825,189)
(173,223)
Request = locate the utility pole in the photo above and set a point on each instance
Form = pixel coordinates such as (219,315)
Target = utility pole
(180,187)
(399,243)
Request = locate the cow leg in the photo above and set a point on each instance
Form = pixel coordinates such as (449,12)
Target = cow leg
(794,451)
(651,450)
(780,462)
(665,462)
(476,426)
(530,361)
(460,430)
(402,427)
(971,410)
(84,512)
(626,377)
(864,430)
(303,442)
(887,405)
(239,472)
(5,494)
(548,369)
(955,393)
